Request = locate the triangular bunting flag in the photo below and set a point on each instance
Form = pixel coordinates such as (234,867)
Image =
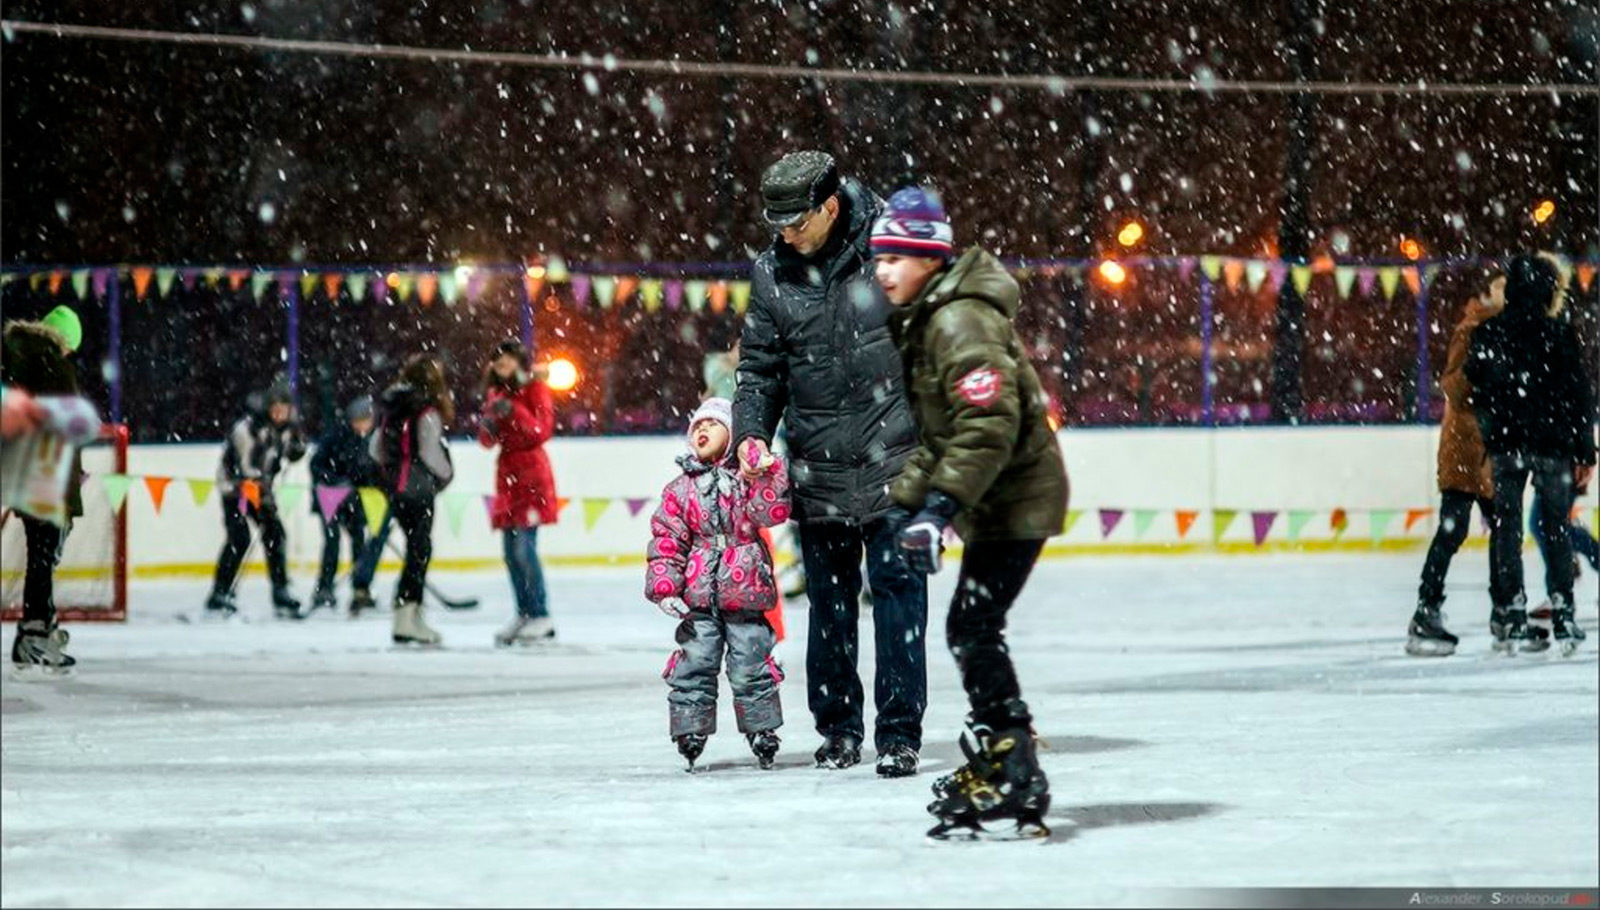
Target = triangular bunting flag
(555,271)
(258,284)
(1211,267)
(1301,276)
(1339,521)
(626,285)
(357,283)
(188,277)
(100,281)
(427,287)
(1255,271)
(1428,273)
(141,281)
(674,294)
(1261,525)
(455,506)
(488,506)
(376,506)
(477,282)
(249,492)
(592,510)
(1185,521)
(404,283)
(635,506)
(214,277)
(1389,280)
(380,289)
(116,486)
(1232,271)
(741,296)
(532,288)
(1585,275)
(308,284)
(35,279)
(449,288)
(157,487)
(1108,521)
(1413,280)
(695,292)
(605,291)
(1276,272)
(164,281)
(718,294)
(580,289)
(1142,519)
(1186,268)
(1344,278)
(650,291)
(288,496)
(1379,522)
(1415,515)
(330,285)
(1298,519)
(237,278)
(1220,520)
(201,490)
(80,283)
(57,277)
(561,505)
(1366,280)
(1072,518)
(330,498)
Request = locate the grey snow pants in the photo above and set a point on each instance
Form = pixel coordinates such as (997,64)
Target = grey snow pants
(752,673)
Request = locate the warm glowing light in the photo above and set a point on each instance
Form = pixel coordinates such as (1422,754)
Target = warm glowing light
(1410,248)
(1112,272)
(536,272)
(463,273)
(1543,211)
(563,375)
(392,280)
(1131,233)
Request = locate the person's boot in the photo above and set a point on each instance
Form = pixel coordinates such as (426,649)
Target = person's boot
(1508,625)
(898,760)
(838,752)
(1427,636)
(1001,780)
(284,604)
(221,605)
(1564,627)
(37,651)
(361,600)
(323,599)
(765,746)
(690,745)
(409,627)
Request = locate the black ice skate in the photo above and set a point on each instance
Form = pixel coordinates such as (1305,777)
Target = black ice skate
(1001,781)
(323,599)
(765,747)
(1509,626)
(37,651)
(361,600)
(838,752)
(285,605)
(898,760)
(1564,628)
(1427,636)
(690,745)
(221,605)
(1536,639)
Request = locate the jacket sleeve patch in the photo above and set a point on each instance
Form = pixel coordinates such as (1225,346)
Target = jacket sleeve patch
(979,388)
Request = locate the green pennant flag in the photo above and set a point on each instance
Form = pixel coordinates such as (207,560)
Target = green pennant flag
(1072,518)
(1298,519)
(449,288)
(1301,276)
(650,294)
(164,280)
(605,288)
(1211,267)
(116,486)
(376,505)
(1389,280)
(288,496)
(455,506)
(258,284)
(357,283)
(1428,272)
(1344,278)
(1255,271)
(201,490)
(404,283)
(308,285)
(1220,519)
(695,293)
(740,292)
(80,283)
(1142,519)
(1379,522)
(592,510)
(555,271)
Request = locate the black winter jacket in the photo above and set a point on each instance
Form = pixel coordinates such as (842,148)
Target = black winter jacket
(341,459)
(816,352)
(1531,390)
(258,450)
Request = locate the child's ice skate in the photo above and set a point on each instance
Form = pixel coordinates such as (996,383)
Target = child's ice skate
(690,745)
(765,747)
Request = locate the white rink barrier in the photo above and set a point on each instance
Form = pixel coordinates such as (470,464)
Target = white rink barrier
(1315,469)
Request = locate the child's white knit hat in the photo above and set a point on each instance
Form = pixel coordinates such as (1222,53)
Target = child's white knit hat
(718,409)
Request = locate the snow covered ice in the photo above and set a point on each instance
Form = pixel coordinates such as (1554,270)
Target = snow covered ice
(1211,721)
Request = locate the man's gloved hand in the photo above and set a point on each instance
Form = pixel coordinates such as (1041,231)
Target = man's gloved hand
(922,541)
(673,607)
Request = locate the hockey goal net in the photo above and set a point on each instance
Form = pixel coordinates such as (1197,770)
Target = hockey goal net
(91,580)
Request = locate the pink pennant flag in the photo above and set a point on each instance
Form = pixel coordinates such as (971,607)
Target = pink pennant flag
(99,279)
(488,504)
(1366,279)
(1261,523)
(1108,521)
(1185,268)
(476,282)
(329,499)
(580,289)
(188,278)
(380,290)
(1277,271)
(635,506)
(674,294)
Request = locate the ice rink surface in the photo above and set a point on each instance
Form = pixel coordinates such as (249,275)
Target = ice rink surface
(1211,721)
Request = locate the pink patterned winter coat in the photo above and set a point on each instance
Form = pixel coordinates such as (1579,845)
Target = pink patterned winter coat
(705,542)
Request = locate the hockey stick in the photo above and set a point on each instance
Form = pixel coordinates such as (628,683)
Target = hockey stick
(449,603)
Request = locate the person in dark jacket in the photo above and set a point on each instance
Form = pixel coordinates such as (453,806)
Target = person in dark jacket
(815,352)
(988,463)
(1536,408)
(260,445)
(414,464)
(339,466)
(37,361)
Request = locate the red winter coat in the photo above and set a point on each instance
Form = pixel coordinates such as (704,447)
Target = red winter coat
(525,488)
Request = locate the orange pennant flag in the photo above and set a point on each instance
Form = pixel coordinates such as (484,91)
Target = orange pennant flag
(1185,522)
(1339,520)
(561,504)
(1413,280)
(625,288)
(141,281)
(1232,271)
(1585,275)
(251,491)
(236,278)
(532,286)
(1415,515)
(158,490)
(55,282)
(719,296)
(427,286)
(331,283)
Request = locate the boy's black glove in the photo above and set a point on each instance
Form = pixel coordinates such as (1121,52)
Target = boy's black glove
(922,541)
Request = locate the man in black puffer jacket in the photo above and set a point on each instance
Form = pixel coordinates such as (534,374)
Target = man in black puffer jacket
(1536,407)
(816,352)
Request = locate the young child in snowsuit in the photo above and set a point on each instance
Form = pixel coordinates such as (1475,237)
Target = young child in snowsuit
(989,464)
(709,568)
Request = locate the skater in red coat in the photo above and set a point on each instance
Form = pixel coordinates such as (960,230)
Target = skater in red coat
(519,416)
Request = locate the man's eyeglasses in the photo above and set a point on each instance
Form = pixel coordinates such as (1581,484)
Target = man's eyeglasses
(799,227)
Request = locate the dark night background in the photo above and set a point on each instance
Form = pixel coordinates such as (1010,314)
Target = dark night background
(119,152)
